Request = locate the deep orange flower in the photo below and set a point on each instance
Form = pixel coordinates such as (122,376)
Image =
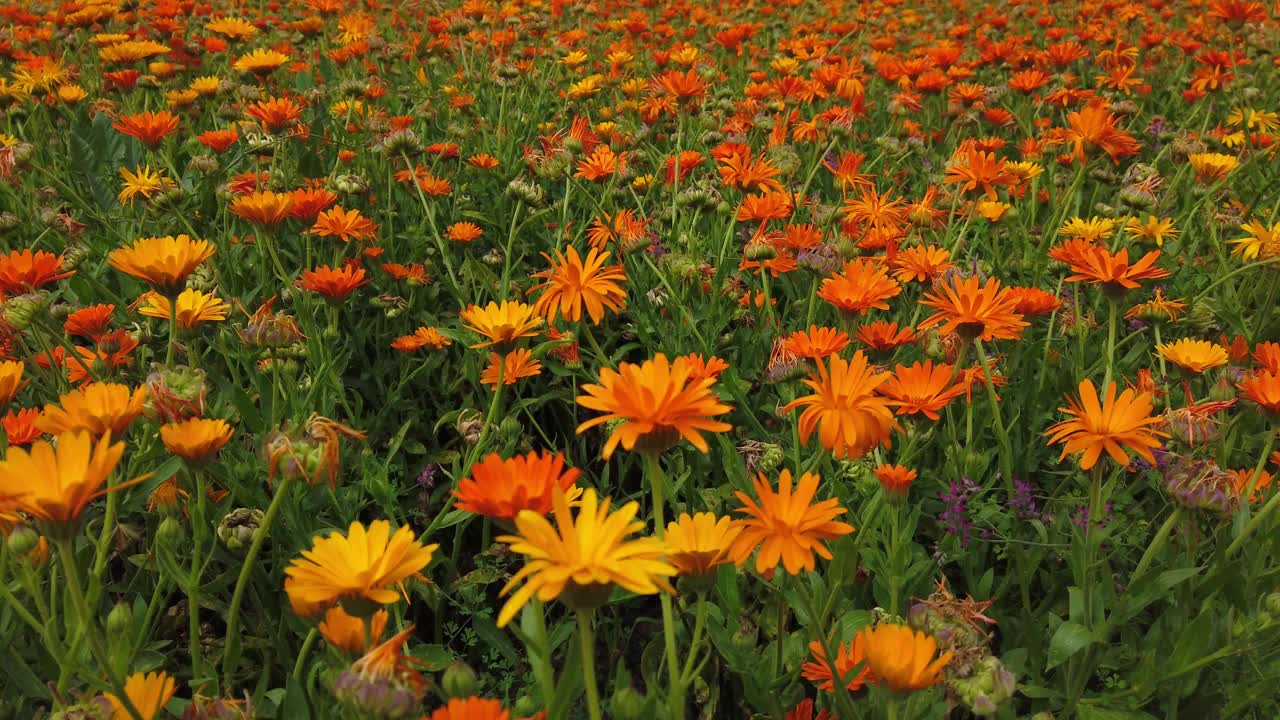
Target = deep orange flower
(274,112)
(20,426)
(149,127)
(306,204)
(1267,356)
(263,207)
(334,285)
(1242,480)
(499,489)
(11,380)
(27,270)
(1032,301)
(658,403)
(977,169)
(973,311)
(817,342)
(861,286)
(1262,389)
(849,417)
(347,632)
(572,283)
(895,479)
(196,439)
(765,206)
(786,526)
(89,322)
(1099,267)
(1115,425)
(422,337)
(1094,126)
(162,262)
(823,673)
(922,388)
(601,164)
(463,232)
(517,364)
(902,658)
(471,708)
(920,263)
(218,140)
(883,336)
(346,225)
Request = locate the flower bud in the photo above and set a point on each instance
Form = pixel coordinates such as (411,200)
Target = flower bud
(459,680)
(627,703)
(119,623)
(22,540)
(374,697)
(237,528)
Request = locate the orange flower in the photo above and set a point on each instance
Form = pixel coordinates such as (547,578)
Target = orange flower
(471,708)
(787,527)
(463,232)
(863,284)
(1094,126)
(27,270)
(601,164)
(1245,486)
(922,263)
(1267,356)
(346,225)
(54,482)
(895,479)
(10,380)
(922,388)
(97,408)
(347,632)
(973,311)
(307,203)
(823,673)
(20,426)
(1099,267)
(196,439)
(502,324)
(1262,389)
(422,337)
(658,403)
(218,140)
(883,336)
(1032,301)
(89,322)
(849,417)
(979,169)
(765,206)
(162,262)
(818,342)
(1116,425)
(698,544)
(517,364)
(260,62)
(263,207)
(499,489)
(274,112)
(149,127)
(902,658)
(1193,356)
(334,285)
(572,283)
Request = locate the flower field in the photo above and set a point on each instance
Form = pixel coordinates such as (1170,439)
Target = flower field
(663,360)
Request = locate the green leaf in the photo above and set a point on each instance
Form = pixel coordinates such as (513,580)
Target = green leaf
(1094,712)
(495,638)
(1069,639)
(434,657)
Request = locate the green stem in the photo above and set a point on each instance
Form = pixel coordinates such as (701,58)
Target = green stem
(511,241)
(306,650)
(1156,545)
(193,588)
(173,332)
(698,626)
(1113,307)
(488,421)
(585,642)
(542,669)
(1002,432)
(1257,520)
(657,483)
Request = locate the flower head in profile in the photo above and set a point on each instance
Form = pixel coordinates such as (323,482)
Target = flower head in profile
(10,380)
(848,656)
(513,366)
(861,286)
(1213,166)
(54,482)
(903,659)
(334,284)
(816,342)
(1115,425)
(698,544)
(263,208)
(143,181)
(197,439)
(162,262)
(573,283)
(347,632)
(148,127)
(23,271)
(500,489)
(96,408)
(148,693)
(972,310)
(20,426)
(345,225)
(260,62)
(1260,241)
(1262,388)
(922,388)
(844,409)
(193,307)
(579,559)
(895,479)
(659,402)
(882,336)
(786,525)
(471,708)
(1194,356)
(422,337)
(357,569)
(501,324)
(1098,266)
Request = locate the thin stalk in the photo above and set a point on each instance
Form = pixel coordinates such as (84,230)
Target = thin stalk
(657,482)
(585,643)
(1157,544)
(1002,432)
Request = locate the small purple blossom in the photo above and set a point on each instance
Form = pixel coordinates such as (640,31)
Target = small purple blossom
(1024,503)
(955,517)
(1080,518)
(427,478)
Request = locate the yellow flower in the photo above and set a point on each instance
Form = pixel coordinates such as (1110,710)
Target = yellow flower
(54,482)
(162,262)
(579,560)
(10,380)
(1194,356)
(902,658)
(232,27)
(1154,229)
(501,324)
(260,61)
(143,181)
(1093,229)
(1213,166)
(196,439)
(193,307)
(98,408)
(206,85)
(356,569)
(1262,242)
(697,545)
(149,694)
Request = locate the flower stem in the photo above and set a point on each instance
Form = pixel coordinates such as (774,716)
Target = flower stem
(1157,544)
(300,663)
(173,332)
(585,642)
(1113,308)
(1257,520)
(657,482)
(488,421)
(542,670)
(1002,432)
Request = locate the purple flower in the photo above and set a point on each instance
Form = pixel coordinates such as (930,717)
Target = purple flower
(955,517)
(1023,502)
(427,478)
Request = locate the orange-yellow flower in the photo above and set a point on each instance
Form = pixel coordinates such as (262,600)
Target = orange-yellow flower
(1194,356)
(818,342)
(895,479)
(197,439)
(193,307)
(422,337)
(861,286)
(658,402)
(54,482)
(20,426)
(26,270)
(499,489)
(572,283)
(974,311)
(844,408)
(517,364)
(787,526)
(334,284)
(162,262)
(263,207)
(823,674)
(464,232)
(1114,425)
(347,632)
(356,569)
(148,693)
(921,263)
(346,225)
(502,324)
(902,658)
(10,380)
(260,62)
(922,388)
(97,408)
(698,544)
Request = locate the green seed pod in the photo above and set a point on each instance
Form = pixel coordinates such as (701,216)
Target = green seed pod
(459,680)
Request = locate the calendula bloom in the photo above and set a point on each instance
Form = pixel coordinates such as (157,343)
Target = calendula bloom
(1194,356)
(149,127)
(578,559)
(274,113)
(1100,267)
(1093,230)
(89,322)
(307,203)
(921,263)
(818,342)
(20,426)
(601,164)
(463,232)
(162,262)
(263,207)
(1032,301)
(197,439)
(1261,242)
(334,284)
(10,380)
(346,225)
(698,544)
(23,271)
(922,388)
(148,693)
(1262,389)
(573,283)
(895,479)
(192,308)
(54,482)
(517,364)
(260,61)
(844,409)
(97,408)
(657,402)
(787,526)
(883,336)
(1153,229)
(384,681)
(500,489)
(502,324)
(765,206)
(823,673)
(902,658)
(144,181)
(347,632)
(1095,126)
(861,286)
(1116,425)
(975,169)
(471,708)
(422,337)
(974,311)
(232,27)
(1246,486)
(1213,166)
(357,569)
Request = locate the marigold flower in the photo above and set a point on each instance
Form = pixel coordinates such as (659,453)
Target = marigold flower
(921,263)
(1246,486)
(823,673)
(89,322)
(162,262)
(1157,309)
(786,526)
(10,380)
(334,285)
(347,632)
(1115,425)
(53,482)
(197,439)
(572,283)
(845,411)
(579,558)
(264,207)
(698,544)
(765,206)
(307,203)
(148,693)
(883,336)
(96,408)
(499,489)
(861,286)
(895,479)
(149,127)
(346,225)
(601,164)
(20,426)
(502,324)
(260,62)
(922,388)
(464,232)
(902,658)
(471,708)
(144,181)
(1113,272)
(1032,301)
(275,113)
(1261,242)
(422,337)
(817,342)
(1263,389)
(1194,356)
(972,311)
(658,402)
(356,569)
(517,364)
(193,307)
(232,27)
(1153,229)
(1213,166)
(1094,126)
(23,271)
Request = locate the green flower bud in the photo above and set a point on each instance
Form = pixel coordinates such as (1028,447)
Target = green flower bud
(628,704)
(22,541)
(237,528)
(119,622)
(459,680)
